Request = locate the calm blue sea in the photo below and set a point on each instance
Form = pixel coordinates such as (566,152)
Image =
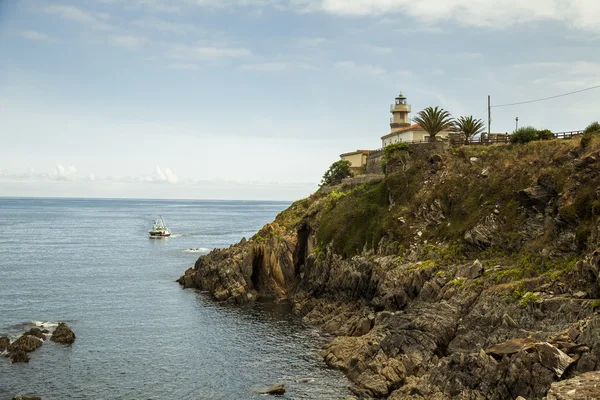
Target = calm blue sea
(91,264)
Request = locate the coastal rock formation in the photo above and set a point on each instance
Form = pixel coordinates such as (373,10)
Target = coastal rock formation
(440,283)
(18,356)
(263,266)
(26,398)
(25,343)
(63,334)
(36,332)
(4,342)
(585,386)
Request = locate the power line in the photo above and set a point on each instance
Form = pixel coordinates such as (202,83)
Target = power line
(547,98)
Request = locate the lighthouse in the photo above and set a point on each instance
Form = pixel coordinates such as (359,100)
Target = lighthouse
(400,111)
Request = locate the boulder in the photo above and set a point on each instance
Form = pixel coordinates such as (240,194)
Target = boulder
(274,390)
(19,356)
(538,195)
(511,346)
(63,334)
(472,271)
(584,386)
(4,343)
(25,343)
(38,333)
(553,359)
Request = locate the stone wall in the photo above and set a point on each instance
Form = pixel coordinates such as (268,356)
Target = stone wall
(374,162)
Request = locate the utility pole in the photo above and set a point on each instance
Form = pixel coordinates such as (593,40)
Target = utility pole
(516,124)
(489,117)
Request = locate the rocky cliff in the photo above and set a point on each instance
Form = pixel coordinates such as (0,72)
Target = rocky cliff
(463,274)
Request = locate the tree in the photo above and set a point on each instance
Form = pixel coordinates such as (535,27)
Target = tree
(336,172)
(434,120)
(469,127)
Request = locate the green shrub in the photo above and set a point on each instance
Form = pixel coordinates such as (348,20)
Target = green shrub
(591,131)
(594,127)
(525,134)
(545,134)
(396,147)
(336,172)
(527,297)
(392,151)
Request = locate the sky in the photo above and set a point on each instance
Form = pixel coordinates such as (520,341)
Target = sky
(254,99)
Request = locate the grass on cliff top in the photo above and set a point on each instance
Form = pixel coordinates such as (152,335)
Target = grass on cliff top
(467,190)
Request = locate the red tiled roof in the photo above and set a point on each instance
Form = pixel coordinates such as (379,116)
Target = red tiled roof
(405,129)
(356,152)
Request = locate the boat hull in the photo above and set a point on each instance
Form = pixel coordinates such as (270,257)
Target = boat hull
(160,234)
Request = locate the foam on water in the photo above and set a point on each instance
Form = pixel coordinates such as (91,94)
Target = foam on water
(203,250)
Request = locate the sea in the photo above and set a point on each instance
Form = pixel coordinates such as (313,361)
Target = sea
(91,264)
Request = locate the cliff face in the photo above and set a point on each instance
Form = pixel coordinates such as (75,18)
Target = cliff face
(465,274)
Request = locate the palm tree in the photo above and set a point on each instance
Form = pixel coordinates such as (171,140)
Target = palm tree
(469,127)
(434,120)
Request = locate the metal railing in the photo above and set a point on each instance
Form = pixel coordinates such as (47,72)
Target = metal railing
(408,107)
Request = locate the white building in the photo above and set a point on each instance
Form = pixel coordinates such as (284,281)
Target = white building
(401,128)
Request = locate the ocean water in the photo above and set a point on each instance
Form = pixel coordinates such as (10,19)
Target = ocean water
(91,264)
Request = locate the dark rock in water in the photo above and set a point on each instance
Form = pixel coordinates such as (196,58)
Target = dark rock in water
(38,333)
(4,343)
(27,398)
(63,334)
(275,390)
(305,380)
(25,343)
(584,386)
(19,356)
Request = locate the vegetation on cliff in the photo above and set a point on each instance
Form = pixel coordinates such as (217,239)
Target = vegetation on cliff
(464,273)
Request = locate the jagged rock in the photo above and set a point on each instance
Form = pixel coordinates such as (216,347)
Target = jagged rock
(18,356)
(511,347)
(63,334)
(552,358)
(582,387)
(274,390)
(36,332)
(535,196)
(481,236)
(25,343)
(472,271)
(4,343)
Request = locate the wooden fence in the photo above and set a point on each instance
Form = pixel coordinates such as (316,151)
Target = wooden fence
(494,138)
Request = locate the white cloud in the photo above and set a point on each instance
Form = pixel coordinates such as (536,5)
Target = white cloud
(164,175)
(365,69)
(129,42)
(571,75)
(75,14)
(62,173)
(201,52)
(579,14)
(274,66)
(165,26)
(70,13)
(183,66)
(37,36)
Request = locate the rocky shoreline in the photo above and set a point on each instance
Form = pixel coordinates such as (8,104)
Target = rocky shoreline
(508,309)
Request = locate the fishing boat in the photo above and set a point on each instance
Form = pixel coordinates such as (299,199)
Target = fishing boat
(159,229)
